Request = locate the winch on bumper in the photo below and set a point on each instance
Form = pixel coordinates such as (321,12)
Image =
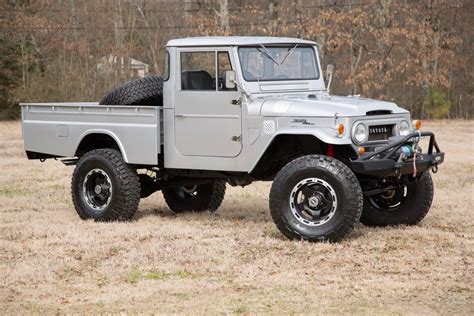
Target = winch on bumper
(389,160)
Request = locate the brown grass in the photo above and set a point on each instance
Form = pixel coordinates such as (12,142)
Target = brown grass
(234,261)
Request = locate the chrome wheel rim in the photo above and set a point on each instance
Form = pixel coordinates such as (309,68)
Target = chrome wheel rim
(97,189)
(313,201)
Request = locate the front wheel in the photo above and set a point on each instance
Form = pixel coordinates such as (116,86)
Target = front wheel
(315,198)
(104,187)
(195,198)
(405,205)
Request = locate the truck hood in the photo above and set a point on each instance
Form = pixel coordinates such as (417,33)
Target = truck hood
(325,106)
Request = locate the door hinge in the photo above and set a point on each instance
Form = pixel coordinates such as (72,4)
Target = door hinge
(236,102)
(236,138)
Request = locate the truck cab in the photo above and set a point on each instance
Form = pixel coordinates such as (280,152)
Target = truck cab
(211,126)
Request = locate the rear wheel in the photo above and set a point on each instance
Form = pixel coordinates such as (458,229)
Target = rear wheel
(406,205)
(195,198)
(104,187)
(315,198)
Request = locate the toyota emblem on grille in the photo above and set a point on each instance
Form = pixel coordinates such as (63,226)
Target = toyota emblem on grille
(378,130)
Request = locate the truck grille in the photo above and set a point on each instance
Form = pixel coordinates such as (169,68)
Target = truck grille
(380,132)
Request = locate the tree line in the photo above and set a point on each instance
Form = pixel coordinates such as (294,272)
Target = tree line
(417,53)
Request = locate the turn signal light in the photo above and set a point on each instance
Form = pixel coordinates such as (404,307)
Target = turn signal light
(361,151)
(340,130)
(416,124)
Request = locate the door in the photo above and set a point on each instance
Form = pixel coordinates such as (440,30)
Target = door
(207,115)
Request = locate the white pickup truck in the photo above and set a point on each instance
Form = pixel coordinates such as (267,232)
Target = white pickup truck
(237,110)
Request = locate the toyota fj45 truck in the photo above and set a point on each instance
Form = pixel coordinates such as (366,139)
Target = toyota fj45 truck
(237,110)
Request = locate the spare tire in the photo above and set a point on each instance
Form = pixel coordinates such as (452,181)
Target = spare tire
(143,91)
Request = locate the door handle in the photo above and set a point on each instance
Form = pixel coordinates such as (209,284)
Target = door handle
(236,102)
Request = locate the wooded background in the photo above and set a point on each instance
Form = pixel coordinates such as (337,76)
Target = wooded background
(418,53)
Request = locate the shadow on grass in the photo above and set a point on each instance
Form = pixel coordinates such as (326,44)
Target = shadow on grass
(153,212)
(231,213)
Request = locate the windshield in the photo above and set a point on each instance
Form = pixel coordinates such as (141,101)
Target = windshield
(273,63)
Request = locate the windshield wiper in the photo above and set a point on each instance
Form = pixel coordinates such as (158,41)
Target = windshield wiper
(288,53)
(267,53)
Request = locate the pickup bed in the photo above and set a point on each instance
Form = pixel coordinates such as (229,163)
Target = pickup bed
(60,129)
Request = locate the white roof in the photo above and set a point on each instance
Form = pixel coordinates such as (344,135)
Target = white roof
(236,41)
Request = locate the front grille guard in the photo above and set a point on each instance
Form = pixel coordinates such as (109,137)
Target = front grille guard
(388,151)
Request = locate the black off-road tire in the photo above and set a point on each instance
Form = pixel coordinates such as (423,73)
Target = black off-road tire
(143,91)
(343,183)
(207,197)
(125,192)
(414,207)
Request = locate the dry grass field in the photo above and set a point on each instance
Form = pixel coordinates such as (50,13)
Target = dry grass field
(234,261)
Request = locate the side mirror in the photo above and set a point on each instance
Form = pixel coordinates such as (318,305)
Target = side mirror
(329,71)
(229,82)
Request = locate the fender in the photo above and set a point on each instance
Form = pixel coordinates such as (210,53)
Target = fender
(325,134)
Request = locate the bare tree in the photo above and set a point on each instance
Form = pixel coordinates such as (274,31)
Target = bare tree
(417,53)
(224,15)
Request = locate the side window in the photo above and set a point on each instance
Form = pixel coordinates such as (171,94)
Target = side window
(223,65)
(198,71)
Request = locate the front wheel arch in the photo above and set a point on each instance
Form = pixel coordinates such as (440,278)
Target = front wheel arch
(286,147)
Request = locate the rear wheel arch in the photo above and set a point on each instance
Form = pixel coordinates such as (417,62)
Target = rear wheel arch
(99,139)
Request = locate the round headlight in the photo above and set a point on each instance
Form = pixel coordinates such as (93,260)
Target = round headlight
(403,128)
(360,133)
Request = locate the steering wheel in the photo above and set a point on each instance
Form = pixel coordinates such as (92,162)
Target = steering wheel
(281,77)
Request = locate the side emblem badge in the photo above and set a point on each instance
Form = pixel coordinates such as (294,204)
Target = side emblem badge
(302,121)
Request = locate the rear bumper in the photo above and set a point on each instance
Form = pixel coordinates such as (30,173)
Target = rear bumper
(383,162)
